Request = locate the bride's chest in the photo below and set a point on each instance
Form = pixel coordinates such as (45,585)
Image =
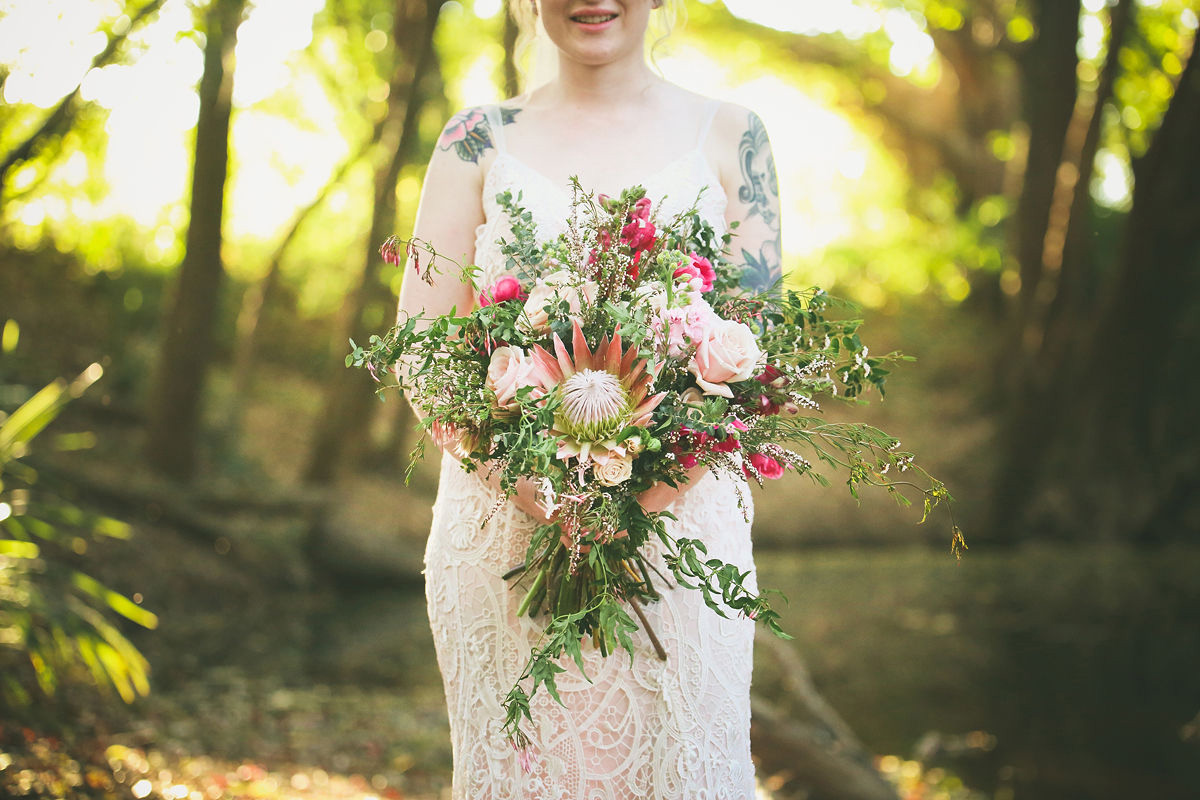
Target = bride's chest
(685,182)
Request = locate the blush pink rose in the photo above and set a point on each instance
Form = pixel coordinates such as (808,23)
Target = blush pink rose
(728,353)
(510,370)
(504,289)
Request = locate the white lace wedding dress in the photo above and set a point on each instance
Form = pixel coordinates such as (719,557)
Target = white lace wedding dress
(673,730)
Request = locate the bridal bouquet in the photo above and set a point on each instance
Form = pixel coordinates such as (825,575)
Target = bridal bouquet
(622,354)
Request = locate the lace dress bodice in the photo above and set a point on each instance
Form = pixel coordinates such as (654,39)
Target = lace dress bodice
(673,188)
(653,730)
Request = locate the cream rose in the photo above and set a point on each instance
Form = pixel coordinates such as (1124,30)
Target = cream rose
(509,371)
(727,353)
(563,285)
(613,471)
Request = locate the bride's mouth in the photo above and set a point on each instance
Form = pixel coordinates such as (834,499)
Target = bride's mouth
(593,20)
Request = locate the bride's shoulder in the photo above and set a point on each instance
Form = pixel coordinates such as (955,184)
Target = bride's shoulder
(732,121)
(470,134)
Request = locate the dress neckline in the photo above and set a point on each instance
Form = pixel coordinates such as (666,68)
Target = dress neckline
(715,185)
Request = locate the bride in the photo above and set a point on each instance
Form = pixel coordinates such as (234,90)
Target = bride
(669,730)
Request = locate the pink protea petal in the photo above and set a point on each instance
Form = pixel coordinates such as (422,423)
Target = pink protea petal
(583,356)
(641,414)
(600,354)
(548,372)
(627,361)
(614,356)
(564,358)
(632,376)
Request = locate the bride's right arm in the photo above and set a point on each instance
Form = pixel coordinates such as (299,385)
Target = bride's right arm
(449,211)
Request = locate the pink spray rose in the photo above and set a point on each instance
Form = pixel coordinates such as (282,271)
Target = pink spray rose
(728,353)
(504,289)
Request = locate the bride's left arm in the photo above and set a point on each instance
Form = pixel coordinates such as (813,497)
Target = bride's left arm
(746,165)
(740,149)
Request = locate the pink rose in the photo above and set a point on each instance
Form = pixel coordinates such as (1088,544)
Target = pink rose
(766,466)
(510,370)
(728,353)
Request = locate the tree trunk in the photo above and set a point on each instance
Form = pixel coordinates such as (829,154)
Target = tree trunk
(174,411)
(1049,85)
(1069,267)
(349,395)
(1102,439)
(1139,437)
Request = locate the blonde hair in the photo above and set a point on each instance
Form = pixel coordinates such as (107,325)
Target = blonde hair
(663,22)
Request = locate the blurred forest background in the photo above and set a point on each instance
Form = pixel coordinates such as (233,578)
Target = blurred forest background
(209,562)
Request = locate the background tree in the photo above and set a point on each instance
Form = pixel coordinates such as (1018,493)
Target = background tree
(349,397)
(173,421)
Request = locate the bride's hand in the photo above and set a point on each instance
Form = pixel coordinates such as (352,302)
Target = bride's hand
(661,495)
(526,497)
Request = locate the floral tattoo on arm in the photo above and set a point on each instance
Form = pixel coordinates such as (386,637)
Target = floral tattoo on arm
(760,192)
(469,134)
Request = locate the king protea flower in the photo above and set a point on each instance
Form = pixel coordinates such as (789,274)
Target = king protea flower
(602,392)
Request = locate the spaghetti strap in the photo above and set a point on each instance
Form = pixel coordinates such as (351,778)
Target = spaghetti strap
(710,112)
(496,125)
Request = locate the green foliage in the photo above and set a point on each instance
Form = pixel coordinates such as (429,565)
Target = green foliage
(56,621)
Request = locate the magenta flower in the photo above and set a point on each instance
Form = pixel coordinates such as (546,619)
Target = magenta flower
(699,273)
(504,289)
(766,466)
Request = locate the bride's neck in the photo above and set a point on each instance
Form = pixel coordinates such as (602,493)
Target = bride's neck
(584,85)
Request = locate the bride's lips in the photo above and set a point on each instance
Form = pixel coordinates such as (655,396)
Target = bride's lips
(594,19)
